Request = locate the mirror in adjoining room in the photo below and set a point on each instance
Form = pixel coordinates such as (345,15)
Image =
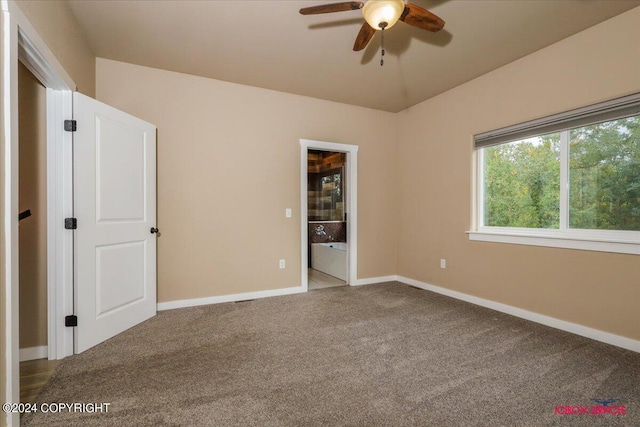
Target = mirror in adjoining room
(326,185)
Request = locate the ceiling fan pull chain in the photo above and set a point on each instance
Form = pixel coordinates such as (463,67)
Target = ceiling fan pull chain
(382,46)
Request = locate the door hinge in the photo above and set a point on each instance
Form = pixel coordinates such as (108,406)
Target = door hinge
(70,223)
(71,321)
(70,125)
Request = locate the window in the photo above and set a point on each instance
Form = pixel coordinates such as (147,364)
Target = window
(569,180)
(522,183)
(604,176)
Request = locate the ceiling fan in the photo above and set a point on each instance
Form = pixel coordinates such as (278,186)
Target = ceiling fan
(381,15)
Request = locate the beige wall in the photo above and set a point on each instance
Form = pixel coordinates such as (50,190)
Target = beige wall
(55,23)
(595,289)
(229,165)
(33,196)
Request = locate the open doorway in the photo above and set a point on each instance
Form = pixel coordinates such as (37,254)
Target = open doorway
(32,204)
(35,369)
(328,221)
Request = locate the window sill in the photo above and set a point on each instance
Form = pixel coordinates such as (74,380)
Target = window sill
(553,239)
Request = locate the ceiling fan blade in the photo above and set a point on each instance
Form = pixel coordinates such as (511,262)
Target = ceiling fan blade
(364,36)
(421,18)
(333,7)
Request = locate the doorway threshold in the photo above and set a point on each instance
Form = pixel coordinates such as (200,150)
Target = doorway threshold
(320,280)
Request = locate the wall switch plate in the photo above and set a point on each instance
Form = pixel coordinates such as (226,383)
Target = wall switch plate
(443,263)
(281,263)
(287,212)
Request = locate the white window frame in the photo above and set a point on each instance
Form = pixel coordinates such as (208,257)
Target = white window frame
(616,241)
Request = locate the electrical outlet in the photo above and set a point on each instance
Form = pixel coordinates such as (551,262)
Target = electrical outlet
(287,212)
(281,263)
(443,263)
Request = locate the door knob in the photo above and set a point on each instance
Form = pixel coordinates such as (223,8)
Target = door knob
(154,230)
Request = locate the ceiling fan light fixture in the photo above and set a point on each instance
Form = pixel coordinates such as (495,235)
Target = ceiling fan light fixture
(377,12)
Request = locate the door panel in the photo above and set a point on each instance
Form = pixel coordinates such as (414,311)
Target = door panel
(120,271)
(120,191)
(115,204)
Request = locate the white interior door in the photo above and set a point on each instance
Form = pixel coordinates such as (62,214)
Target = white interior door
(115,206)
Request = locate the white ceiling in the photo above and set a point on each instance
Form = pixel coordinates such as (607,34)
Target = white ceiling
(269,44)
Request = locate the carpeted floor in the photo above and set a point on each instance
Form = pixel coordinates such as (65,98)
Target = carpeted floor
(376,355)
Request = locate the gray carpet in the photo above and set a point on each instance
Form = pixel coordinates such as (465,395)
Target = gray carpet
(383,354)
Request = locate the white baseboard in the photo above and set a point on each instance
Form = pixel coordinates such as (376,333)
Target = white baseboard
(374,280)
(574,328)
(169,305)
(33,353)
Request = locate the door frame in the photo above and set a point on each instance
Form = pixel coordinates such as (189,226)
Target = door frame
(21,42)
(352,206)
